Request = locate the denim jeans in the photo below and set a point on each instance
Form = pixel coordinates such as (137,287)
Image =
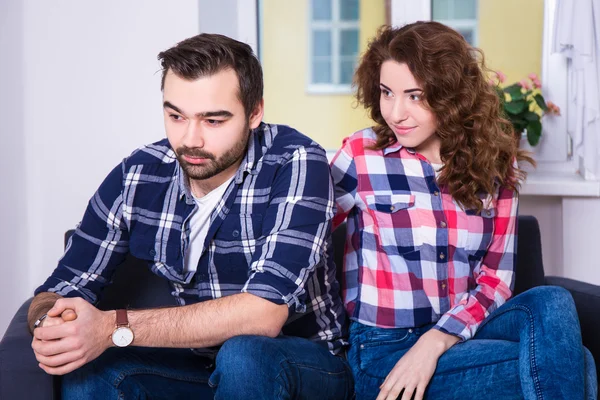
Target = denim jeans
(529,348)
(246,367)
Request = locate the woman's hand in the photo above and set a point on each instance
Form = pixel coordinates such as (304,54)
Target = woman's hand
(414,370)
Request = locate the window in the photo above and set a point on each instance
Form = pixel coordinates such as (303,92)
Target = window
(458,14)
(552,154)
(333,45)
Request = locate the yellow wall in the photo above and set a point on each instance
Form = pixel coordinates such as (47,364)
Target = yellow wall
(510,34)
(325,118)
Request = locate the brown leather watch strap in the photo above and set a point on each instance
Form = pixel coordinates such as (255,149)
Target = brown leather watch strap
(122,319)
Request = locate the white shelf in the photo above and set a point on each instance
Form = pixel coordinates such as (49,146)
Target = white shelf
(563,184)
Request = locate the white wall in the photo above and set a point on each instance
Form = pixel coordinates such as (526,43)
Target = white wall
(79,90)
(14,285)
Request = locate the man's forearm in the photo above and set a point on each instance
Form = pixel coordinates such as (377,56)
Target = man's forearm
(207,324)
(40,306)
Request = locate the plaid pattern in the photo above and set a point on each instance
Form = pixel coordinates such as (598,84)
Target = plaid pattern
(269,235)
(413,256)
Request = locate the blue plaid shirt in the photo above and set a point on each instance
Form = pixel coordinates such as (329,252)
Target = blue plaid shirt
(270,234)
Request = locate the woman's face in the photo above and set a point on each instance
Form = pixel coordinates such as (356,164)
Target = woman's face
(403,110)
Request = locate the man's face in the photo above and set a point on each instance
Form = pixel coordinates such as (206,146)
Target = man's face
(206,124)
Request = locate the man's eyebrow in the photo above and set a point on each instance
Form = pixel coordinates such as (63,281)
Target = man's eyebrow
(206,114)
(169,105)
(210,114)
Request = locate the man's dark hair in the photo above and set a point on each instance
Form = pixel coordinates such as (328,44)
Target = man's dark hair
(207,54)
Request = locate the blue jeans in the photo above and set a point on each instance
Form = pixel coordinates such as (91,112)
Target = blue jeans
(246,367)
(528,348)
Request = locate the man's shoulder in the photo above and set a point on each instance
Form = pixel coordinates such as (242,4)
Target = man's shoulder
(283,140)
(157,153)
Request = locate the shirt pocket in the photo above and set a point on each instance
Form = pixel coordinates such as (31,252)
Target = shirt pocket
(394,222)
(237,239)
(480,232)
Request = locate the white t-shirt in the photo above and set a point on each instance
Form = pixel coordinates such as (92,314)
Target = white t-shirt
(437,168)
(199,224)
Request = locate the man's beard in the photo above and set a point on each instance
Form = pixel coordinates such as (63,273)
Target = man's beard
(215,165)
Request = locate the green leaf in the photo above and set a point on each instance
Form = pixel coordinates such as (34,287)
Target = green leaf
(515,107)
(534,132)
(519,124)
(531,116)
(540,101)
(514,91)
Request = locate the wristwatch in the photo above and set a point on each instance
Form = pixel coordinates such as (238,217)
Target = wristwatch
(122,335)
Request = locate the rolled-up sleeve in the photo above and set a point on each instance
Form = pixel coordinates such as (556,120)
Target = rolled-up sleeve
(99,244)
(494,276)
(296,227)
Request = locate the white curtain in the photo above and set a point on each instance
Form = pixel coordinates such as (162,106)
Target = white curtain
(577,36)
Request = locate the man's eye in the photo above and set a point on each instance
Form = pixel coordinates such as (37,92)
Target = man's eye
(175,117)
(214,122)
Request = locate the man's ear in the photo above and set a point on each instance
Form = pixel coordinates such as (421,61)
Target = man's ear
(257,115)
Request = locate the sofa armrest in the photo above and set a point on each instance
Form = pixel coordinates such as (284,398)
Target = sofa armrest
(587,302)
(20,376)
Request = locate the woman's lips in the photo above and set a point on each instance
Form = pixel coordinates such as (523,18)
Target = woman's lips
(403,130)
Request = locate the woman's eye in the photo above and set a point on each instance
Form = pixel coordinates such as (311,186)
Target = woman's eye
(386,92)
(415,97)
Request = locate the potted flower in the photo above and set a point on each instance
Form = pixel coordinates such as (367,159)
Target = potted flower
(524,105)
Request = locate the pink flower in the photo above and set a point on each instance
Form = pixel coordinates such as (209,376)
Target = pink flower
(553,108)
(501,77)
(537,83)
(525,84)
(533,76)
(491,82)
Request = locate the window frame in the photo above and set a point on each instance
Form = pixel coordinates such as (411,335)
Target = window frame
(335,25)
(553,153)
(472,24)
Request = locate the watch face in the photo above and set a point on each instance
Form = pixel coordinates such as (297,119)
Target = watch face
(122,336)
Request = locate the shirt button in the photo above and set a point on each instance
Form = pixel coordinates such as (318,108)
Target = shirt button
(442,256)
(235,233)
(443,285)
(436,193)
(443,224)
(488,213)
(152,253)
(392,208)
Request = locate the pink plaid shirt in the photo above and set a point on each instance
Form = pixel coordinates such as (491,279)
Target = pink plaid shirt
(413,256)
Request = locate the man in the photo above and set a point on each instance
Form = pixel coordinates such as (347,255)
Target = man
(235,214)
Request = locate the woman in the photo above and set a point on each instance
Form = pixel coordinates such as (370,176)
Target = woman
(430,198)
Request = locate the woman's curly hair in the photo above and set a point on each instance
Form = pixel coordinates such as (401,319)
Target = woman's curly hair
(478,145)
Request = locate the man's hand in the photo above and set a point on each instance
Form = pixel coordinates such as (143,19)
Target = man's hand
(414,370)
(67,315)
(74,333)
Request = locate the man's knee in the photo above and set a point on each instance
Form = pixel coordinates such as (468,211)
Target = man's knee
(243,354)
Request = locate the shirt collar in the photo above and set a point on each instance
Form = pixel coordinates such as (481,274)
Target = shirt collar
(395,147)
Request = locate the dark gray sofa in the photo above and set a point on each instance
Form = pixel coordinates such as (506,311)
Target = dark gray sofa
(21,378)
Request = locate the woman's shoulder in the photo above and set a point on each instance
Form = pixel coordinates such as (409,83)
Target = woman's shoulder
(356,143)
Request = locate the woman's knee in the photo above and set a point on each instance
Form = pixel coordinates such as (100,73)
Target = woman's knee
(548,300)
